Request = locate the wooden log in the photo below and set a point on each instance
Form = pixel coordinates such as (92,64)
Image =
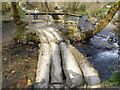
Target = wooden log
(71,69)
(43,67)
(56,86)
(54,13)
(42,37)
(55,33)
(56,69)
(91,75)
(49,36)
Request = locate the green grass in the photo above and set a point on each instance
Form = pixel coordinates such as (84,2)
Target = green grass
(82,13)
(18,33)
(113,81)
(99,12)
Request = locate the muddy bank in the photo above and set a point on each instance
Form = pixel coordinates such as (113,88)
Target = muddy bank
(19,65)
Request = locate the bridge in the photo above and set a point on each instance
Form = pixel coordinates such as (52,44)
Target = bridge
(60,64)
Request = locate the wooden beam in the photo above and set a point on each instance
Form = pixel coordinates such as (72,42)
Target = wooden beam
(53,13)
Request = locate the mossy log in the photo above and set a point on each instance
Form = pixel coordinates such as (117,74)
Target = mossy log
(91,75)
(74,77)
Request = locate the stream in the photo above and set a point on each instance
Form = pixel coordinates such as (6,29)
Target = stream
(102,49)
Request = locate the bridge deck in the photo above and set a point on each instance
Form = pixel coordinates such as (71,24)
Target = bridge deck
(60,64)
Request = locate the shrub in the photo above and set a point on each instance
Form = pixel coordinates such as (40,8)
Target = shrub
(115,79)
(82,8)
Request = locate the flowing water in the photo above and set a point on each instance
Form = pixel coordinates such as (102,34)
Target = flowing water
(102,49)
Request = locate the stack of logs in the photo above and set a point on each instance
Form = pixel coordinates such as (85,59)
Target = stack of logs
(60,65)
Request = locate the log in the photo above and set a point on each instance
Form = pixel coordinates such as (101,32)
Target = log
(54,13)
(43,67)
(91,75)
(49,36)
(56,68)
(71,69)
(56,86)
(54,32)
(42,37)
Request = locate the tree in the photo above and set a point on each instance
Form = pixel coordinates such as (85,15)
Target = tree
(20,27)
(50,8)
(103,21)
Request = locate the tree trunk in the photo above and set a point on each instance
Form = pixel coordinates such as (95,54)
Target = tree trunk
(16,15)
(50,8)
(103,21)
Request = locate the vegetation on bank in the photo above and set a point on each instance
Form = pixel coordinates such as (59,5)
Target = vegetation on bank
(113,81)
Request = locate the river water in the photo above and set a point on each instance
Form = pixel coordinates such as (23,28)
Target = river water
(102,49)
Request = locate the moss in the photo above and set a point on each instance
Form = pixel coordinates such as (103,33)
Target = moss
(88,34)
(17,34)
(113,81)
(21,13)
(32,37)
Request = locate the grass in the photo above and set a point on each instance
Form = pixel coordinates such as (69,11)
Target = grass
(18,33)
(113,81)
(82,13)
(99,12)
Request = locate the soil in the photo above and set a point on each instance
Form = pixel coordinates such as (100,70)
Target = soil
(19,62)
(19,65)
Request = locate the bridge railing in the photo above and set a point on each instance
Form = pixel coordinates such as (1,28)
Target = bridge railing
(53,13)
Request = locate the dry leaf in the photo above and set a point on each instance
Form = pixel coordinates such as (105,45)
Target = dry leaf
(23,79)
(29,82)
(13,71)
